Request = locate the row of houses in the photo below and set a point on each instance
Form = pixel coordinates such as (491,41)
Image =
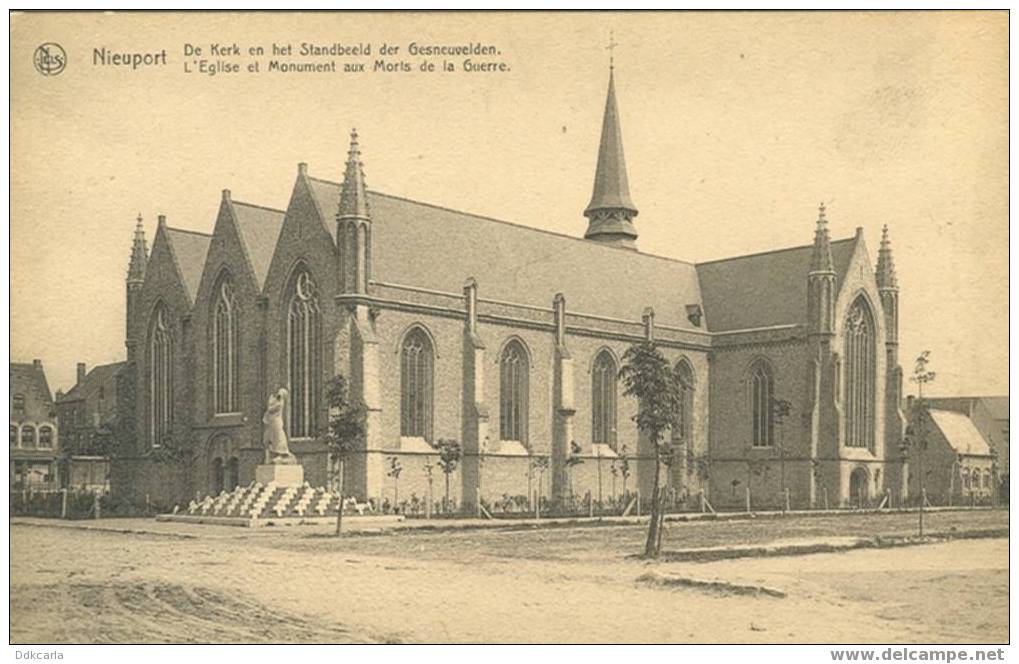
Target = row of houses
(63,440)
(67,440)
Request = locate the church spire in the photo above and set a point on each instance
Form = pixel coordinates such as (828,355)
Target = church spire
(820,259)
(353,225)
(610,212)
(885,276)
(353,200)
(139,254)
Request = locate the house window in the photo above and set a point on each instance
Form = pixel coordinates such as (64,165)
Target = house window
(416,362)
(762,389)
(965,478)
(683,428)
(603,399)
(513,381)
(304,360)
(18,405)
(14,435)
(225,350)
(27,436)
(859,376)
(160,379)
(46,436)
(987,479)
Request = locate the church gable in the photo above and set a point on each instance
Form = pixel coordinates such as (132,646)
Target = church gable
(304,237)
(226,252)
(164,279)
(856,278)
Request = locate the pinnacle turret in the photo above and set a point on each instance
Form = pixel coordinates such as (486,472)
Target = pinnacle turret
(139,254)
(885,273)
(610,212)
(820,259)
(353,197)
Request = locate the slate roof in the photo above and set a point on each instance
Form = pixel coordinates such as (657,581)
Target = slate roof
(960,432)
(259,228)
(190,249)
(97,376)
(422,245)
(26,377)
(761,290)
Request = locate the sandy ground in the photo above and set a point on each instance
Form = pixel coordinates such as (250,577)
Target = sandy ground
(193,584)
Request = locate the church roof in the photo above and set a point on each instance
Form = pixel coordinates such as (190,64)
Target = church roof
(189,249)
(327,195)
(413,243)
(259,228)
(762,290)
(960,432)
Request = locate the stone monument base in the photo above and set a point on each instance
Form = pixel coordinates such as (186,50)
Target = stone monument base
(280,474)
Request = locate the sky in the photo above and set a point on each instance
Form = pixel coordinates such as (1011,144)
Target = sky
(736,125)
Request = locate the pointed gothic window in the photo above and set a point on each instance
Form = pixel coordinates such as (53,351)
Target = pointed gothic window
(225,349)
(160,378)
(762,388)
(416,362)
(513,377)
(683,428)
(858,393)
(603,400)
(303,357)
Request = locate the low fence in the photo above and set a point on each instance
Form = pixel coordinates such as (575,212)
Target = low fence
(76,504)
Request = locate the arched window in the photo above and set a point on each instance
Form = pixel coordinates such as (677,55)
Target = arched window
(160,378)
(513,377)
(46,436)
(987,479)
(27,435)
(225,349)
(416,362)
(14,435)
(303,353)
(965,478)
(603,400)
(683,428)
(859,375)
(762,391)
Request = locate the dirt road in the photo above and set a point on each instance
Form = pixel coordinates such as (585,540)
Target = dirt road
(71,585)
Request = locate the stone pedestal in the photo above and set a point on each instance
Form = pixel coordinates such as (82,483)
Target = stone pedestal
(281,474)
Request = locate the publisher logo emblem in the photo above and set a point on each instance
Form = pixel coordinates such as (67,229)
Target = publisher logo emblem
(50,59)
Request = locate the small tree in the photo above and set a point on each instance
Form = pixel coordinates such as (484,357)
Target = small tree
(345,430)
(539,464)
(647,376)
(624,466)
(916,433)
(395,468)
(449,456)
(574,459)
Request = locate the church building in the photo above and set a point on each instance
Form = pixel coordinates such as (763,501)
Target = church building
(510,345)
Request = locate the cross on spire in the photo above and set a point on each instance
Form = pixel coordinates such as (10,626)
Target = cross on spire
(611,48)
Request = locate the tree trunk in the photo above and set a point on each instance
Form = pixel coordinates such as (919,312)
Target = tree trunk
(339,510)
(652,545)
(448,507)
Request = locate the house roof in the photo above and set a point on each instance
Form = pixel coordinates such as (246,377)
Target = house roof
(762,290)
(517,263)
(97,376)
(259,228)
(960,432)
(189,248)
(26,377)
